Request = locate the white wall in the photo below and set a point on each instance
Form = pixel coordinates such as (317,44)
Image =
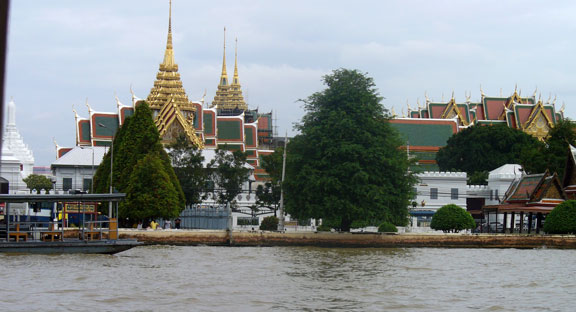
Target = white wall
(444,182)
(77,174)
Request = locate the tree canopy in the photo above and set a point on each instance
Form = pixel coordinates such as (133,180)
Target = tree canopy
(562,219)
(136,140)
(345,166)
(557,147)
(228,172)
(268,195)
(150,193)
(452,218)
(480,149)
(38,182)
(188,161)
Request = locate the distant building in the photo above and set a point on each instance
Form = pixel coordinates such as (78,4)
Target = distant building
(227,123)
(75,169)
(436,189)
(17,158)
(426,129)
(42,170)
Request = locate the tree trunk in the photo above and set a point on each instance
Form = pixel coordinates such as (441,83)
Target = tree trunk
(345,225)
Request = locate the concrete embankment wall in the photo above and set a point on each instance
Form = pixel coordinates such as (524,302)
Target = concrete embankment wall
(325,239)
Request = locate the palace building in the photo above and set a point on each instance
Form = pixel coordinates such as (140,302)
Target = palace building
(426,129)
(227,123)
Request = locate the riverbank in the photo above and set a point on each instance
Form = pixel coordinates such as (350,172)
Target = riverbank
(366,240)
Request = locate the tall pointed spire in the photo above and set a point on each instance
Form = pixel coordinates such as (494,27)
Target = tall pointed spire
(222,93)
(236,98)
(235,79)
(12,140)
(168,95)
(224,75)
(169,53)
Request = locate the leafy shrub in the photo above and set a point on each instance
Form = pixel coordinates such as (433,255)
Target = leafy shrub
(358,224)
(324,228)
(562,219)
(269,223)
(387,227)
(452,218)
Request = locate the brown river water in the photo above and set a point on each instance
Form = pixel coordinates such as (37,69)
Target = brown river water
(184,278)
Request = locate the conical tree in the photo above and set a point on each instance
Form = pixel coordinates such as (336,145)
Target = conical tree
(137,138)
(102,175)
(150,193)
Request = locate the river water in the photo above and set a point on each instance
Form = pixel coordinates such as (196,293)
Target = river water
(184,278)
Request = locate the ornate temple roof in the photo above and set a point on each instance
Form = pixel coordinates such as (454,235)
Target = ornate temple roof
(528,114)
(169,98)
(13,141)
(168,83)
(229,96)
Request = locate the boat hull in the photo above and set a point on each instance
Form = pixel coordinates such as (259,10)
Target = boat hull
(69,247)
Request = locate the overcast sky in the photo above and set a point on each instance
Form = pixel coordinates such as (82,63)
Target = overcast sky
(61,53)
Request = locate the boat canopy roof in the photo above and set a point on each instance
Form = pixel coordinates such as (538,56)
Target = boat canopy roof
(24,198)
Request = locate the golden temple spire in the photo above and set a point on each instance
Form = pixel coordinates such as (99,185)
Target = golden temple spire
(168,99)
(169,53)
(229,96)
(235,79)
(224,75)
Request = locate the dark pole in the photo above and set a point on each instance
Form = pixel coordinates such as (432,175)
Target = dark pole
(512,222)
(4,6)
(111,167)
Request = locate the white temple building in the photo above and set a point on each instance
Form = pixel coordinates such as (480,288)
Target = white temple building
(10,172)
(436,189)
(14,142)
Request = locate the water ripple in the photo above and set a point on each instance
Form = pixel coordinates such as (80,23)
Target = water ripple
(206,278)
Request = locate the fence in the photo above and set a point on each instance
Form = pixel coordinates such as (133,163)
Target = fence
(211,218)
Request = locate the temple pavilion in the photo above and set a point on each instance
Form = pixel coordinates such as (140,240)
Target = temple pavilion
(427,128)
(227,123)
(532,197)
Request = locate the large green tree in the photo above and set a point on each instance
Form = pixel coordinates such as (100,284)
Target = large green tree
(479,149)
(559,138)
(188,161)
(38,182)
(137,138)
(150,193)
(345,165)
(228,171)
(268,194)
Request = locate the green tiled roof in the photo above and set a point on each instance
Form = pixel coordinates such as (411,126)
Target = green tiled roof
(424,134)
(424,167)
(229,130)
(110,123)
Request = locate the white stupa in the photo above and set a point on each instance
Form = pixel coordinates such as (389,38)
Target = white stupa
(12,140)
(11,171)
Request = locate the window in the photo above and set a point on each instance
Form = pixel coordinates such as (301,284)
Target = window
(491,195)
(454,193)
(414,193)
(87,184)
(434,193)
(496,195)
(66,184)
